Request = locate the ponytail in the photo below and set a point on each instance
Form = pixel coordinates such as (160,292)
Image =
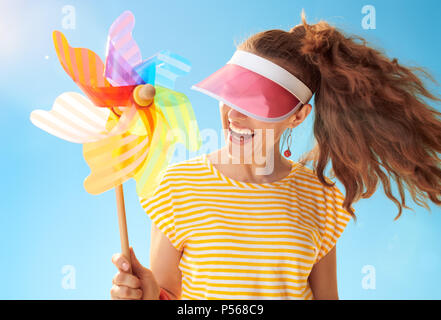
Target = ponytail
(371,120)
(371,117)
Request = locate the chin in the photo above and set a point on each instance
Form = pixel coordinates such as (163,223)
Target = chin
(240,156)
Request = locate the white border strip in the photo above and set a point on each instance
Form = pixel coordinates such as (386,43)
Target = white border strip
(273,72)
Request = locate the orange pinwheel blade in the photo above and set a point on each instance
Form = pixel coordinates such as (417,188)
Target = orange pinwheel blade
(87,70)
(83,65)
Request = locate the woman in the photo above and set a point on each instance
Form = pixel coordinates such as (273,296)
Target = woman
(246,223)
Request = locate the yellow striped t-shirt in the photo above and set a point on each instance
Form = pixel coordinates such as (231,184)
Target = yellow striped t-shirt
(245,240)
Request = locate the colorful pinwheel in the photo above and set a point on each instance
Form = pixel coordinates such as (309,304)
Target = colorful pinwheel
(121,138)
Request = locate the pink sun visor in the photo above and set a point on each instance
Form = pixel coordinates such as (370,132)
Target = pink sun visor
(256,87)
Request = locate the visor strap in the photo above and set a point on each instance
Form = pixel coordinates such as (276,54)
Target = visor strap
(272,72)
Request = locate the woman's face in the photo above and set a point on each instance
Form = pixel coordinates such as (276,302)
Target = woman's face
(250,140)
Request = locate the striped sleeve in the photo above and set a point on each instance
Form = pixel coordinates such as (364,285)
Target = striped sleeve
(336,219)
(159,207)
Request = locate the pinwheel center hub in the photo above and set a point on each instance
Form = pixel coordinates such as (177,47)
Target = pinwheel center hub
(144,95)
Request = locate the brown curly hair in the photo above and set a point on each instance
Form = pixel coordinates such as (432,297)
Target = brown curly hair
(371,119)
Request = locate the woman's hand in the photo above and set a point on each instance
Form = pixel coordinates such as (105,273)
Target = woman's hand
(139,285)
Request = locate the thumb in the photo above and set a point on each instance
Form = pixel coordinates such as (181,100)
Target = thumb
(137,267)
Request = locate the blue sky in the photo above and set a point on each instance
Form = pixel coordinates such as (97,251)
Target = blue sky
(49,221)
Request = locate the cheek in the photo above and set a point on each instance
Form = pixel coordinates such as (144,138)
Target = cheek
(268,136)
(223,107)
(267,139)
(223,110)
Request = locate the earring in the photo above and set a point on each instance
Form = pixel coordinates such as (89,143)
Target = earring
(287,153)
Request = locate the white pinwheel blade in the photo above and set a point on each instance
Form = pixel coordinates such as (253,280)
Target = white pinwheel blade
(76,119)
(73,118)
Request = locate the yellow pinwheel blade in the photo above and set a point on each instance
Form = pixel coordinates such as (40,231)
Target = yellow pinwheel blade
(158,158)
(143,151)
(114,160)
(179,113)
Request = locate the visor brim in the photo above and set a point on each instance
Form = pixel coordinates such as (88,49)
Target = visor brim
(249,93)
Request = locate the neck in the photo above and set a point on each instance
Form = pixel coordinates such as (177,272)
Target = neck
(274,167)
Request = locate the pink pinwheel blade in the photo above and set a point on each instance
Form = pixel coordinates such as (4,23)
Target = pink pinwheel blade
(123,53)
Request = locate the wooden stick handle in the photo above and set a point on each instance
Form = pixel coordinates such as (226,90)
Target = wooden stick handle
(122,223)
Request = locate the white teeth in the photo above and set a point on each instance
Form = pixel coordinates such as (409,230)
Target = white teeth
(240,131)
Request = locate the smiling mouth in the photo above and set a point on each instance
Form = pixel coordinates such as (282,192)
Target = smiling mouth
(240,135)
(239,138)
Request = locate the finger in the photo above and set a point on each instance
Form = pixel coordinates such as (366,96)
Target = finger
(126,279)
(137,267)
(122,292)
(120,262)
(116,298)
